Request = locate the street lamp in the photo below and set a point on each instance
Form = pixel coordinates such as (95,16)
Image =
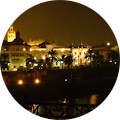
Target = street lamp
(37,81)
(20,82)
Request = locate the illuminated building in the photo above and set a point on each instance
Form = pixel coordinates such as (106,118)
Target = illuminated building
(78,53)
(11,34)
(35,42)
(17,51)
(79,56)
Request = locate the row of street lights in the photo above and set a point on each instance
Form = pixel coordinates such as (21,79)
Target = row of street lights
(37,81)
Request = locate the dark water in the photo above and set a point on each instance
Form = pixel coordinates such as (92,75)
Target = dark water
(93,99)
(31,95)
(93,92)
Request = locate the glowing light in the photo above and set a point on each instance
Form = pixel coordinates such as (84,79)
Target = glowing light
(30,62)
(76,63)
(110,60)
(61,61)
(62,49)
(31,68)
(43,57)
(65,80)
(115,62)
(35,58)
(37,81)
(9,63)
(24,49)
(20,82)
(35,64)
(31,49)
(14,69)
(65,101)
(89,61)
(108,44)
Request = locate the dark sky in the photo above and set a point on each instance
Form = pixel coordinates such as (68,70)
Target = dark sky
(65,22)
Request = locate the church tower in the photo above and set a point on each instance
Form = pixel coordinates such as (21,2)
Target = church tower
(11,35)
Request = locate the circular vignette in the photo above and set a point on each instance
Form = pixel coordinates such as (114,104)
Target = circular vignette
(91,8)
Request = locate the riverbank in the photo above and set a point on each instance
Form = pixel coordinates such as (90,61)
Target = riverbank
(60,75)
(47,91)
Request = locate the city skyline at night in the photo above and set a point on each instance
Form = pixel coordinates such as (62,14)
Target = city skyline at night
(65,22)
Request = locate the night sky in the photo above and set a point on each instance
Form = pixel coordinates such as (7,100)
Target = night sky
(65,22)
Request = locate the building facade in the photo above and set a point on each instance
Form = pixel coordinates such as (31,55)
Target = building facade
(19,51)
(79,56)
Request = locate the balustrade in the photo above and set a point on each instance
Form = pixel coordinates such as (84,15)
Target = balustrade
(60,110)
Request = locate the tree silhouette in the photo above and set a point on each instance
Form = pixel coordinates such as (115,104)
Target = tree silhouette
(30,61)
(4,59)
(40,63)
(98,58)
(68,60)
(52,54)
(89,55)
(113,55)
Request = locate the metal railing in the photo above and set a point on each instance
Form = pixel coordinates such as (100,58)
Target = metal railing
(60,110)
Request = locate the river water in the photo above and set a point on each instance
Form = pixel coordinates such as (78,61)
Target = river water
(34,97)
(93,99)
(60,93)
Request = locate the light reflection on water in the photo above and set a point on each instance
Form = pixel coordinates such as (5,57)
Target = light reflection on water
(92,99)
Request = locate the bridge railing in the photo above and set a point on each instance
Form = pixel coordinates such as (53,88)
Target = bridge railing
(60,110)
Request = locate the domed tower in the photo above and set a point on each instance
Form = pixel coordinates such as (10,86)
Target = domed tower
(11,35)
